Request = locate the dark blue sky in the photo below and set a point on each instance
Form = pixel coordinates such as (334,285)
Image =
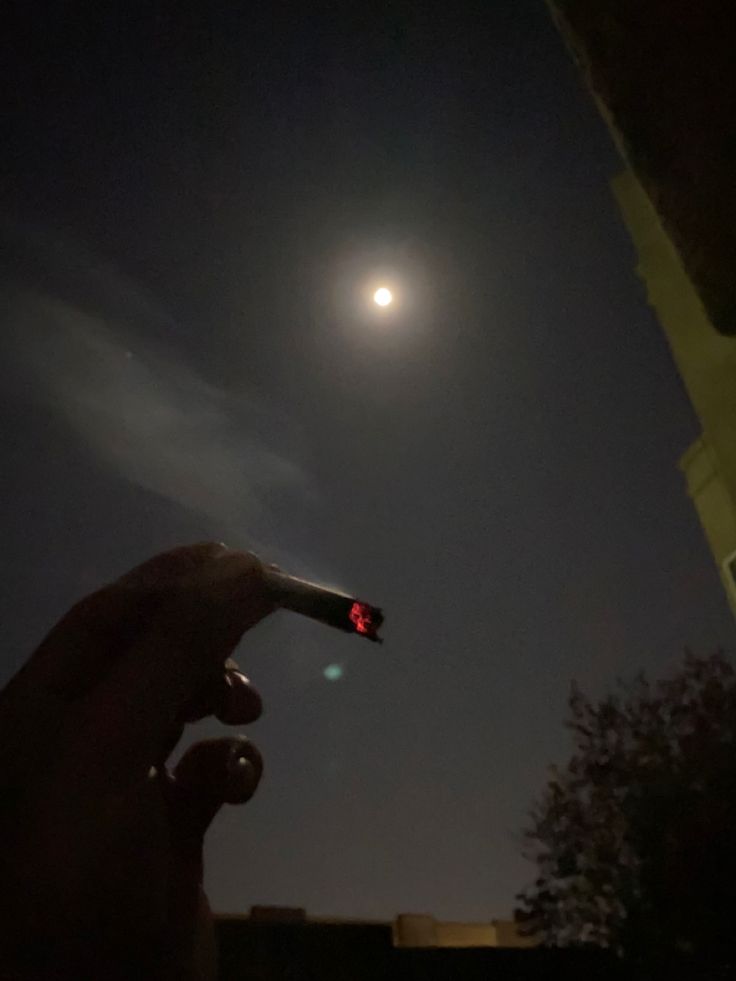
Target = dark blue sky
(193,205)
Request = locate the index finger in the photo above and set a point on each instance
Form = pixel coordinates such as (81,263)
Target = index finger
(82,649)
(148,691)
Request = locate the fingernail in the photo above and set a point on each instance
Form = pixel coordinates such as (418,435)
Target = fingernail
(239,765)
(242,779)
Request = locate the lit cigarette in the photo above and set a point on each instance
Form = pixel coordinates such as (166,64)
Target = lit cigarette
(326,605)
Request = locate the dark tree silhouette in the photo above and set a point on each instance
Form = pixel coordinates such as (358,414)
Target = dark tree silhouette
(635,838)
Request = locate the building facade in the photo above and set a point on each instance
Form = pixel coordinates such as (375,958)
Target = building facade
(275,944)
(662,77)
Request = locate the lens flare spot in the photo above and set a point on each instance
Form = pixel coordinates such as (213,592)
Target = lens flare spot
(333,672)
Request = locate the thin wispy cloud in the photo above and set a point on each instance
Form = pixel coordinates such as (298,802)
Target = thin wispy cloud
(150,417)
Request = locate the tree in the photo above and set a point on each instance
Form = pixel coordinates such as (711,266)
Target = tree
(635,838)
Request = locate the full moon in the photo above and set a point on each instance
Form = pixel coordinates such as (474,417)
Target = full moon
(382,297)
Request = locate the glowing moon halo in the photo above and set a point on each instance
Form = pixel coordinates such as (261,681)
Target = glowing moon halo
(383,297)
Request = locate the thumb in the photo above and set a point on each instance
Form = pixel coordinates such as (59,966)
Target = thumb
(212,773)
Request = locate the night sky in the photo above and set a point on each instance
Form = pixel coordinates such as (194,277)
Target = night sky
(193,205)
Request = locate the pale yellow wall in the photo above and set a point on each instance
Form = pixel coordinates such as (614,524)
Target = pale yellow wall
(714,506)
(466,935)
(706,361)
(421,930)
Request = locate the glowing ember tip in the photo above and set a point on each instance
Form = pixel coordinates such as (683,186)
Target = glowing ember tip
(383,297)
(326,605)
(367,619)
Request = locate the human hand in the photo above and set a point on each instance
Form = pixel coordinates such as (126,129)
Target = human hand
(100,846)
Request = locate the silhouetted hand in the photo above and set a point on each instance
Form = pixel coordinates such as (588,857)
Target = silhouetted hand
(101,847)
